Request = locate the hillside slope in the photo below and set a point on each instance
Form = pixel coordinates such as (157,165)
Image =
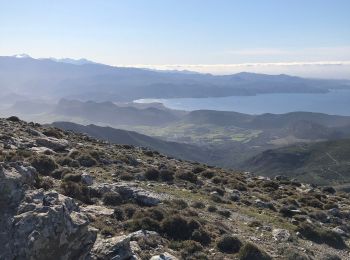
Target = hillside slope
(70,196)
(117,136)
(320,163)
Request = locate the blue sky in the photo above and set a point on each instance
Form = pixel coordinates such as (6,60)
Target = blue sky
(175,32)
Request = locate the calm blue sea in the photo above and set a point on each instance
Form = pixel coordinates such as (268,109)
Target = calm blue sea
(335,102)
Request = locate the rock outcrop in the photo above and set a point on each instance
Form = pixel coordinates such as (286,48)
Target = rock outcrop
(36,224)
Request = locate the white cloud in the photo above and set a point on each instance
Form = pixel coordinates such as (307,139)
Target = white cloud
(317,53)
(316,69)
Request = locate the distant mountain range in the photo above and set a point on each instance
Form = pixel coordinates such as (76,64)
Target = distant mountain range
(82,79)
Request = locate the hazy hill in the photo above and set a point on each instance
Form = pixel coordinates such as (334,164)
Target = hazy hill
(321,163)
(117,136)
(108,112)
(263,121)
(90,81)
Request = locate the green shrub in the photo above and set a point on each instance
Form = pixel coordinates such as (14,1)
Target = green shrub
(155,214)
(252,252)
(145,223)
(272,185)
(44,164)
(187,176)
(77,191)
(53,132)
(216,198)
(311,201)
(320,235)
(217,180)
(112,199)
(178,228)
(166,175)
(208,174)
(59,173)
(127,177)
(13,119)
(72,177)
(87,160)
(224,213)
(45,182)
(152,174)
(197,169)
(189,249)
(229,244)
(198,205)
(293,254)
(201,236)
(330,257)
(179,204)
(118,214)
(212,208)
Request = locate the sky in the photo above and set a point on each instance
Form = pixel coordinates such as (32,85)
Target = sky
(308,37)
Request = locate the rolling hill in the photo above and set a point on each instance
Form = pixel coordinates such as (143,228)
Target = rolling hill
(117,136)
(321,163)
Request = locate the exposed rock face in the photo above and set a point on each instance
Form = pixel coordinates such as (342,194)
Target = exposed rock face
(39,225)
(52,143)
(131,191)
(119,247)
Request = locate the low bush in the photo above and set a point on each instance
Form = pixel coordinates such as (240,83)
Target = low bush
(76,190)
(330,257)
(208,174)
(152,174)
(44,164)
(166,175)
(320,235)
(87,160)
(72,177)
(13,119)
(53,132)
(229,244)
(198,205)
(224,213)
(293,254)
(198,169)
(45,183)
(127,177)
(201,236)
(189,249)
(118,214)
(212,208)
(187,176)
(252,252)
(179,204)
(178,228)
(145,223)
(112,199)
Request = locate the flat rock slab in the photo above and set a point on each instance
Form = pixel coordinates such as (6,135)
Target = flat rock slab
(52,143)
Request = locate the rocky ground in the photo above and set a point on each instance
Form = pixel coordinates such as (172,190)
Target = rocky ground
(69,196)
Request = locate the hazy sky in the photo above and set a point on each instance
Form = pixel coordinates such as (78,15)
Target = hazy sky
(175,33)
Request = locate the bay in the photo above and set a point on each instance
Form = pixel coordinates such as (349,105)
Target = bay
(335,102)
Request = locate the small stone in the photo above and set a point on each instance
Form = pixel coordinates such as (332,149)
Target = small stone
(87,179)
(164,256)
(280,235)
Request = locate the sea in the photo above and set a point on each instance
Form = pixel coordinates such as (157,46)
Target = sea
(335,102)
